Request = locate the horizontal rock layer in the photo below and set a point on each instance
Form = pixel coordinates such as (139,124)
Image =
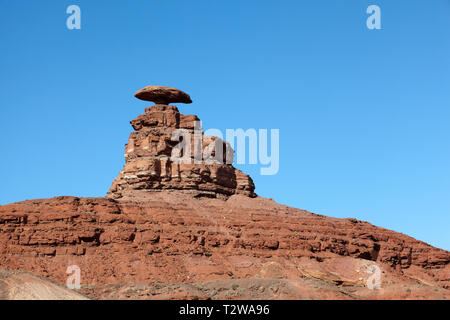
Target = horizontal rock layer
(175,238)
(150,167)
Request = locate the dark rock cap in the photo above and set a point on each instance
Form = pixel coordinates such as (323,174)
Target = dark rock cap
(162,95)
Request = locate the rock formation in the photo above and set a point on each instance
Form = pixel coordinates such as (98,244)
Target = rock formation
(208,171)
(171,242)
(162,95)
(169,230)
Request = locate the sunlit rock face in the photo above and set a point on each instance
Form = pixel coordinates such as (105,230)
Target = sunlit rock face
(160,133)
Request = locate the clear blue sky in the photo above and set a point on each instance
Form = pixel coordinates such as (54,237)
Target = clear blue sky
(363,114)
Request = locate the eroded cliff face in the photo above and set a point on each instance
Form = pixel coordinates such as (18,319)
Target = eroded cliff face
(175,238)
(206,172)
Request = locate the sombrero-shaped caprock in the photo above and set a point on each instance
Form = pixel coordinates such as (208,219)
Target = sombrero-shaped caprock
(163,95)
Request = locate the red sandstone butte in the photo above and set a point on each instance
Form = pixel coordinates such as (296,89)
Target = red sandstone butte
(149,166)
(198,231)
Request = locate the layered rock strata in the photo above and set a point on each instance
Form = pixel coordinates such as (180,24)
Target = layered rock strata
(150,164)
(174,238)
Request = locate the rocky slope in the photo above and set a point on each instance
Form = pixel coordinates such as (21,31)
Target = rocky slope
(173,238)
(19,285)
(177,230)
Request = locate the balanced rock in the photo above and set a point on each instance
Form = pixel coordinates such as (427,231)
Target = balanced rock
(151,167)
(162,95)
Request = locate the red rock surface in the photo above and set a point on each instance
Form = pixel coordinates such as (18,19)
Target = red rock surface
(172,238)
(149,165)
(162,95)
